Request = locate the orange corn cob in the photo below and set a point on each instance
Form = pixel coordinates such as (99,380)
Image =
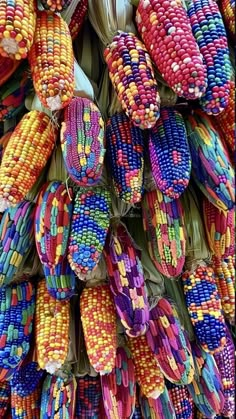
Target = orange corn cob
(225,281)
(26,407)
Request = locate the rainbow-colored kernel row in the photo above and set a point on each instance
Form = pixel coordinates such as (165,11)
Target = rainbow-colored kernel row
(27,406)
(182,401)
(27,378)
(5,394)
(60,280)
(161,408)
(224,270)
(88,397)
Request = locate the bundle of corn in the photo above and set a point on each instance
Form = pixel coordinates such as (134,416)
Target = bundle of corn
(26,154)
(99,325)
(58,397)
(60,280)
(163,222)
(55,5)
(51,329)
(89,227)
(78,17)
(206,388)
(209,32)
(126,280)
(17,304)
(88,397)
(26,406)
(211,167)
(16,238)
(161,408)
(182,401)
(169,153)
(51,61)
(82,141)
(5,394)
(147,371)
(169,343)
(125,157)
(166,32)
(225,361)
(18,20)
(225,280)
(131,72)
(204,307)
(119,387)
(7,68)
(227,8)
(27,378)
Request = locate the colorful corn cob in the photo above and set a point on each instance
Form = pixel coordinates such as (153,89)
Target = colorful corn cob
(99,325)
(225,361)
(55,5)
(119,387)
(60,280)
(125,157)
(204,307)
(225,281)
(163,222)
(169,153)
(26,379)
(227,8)
(182,401)
(126,280)
(206,388)
(17,304)
(88,397)
(89,226)
(82,141)
(51,329)
(211,167)
(7,68)
(51,61)
(26,154)
(58,398)
(16,238)
(17,26)
(170,344)
(5,393)
(147,370)
(161,408)
(78,18)
(131,72)
(166,32)
(219,227)
(209,32)
(27,406)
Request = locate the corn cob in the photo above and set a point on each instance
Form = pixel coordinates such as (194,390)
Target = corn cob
(51,329)
(225,361)
(119,387)
(3,143)
(126,280)
(169,153)
(225,281)
(89,226)
(5,393)
(26,154)
(51,61)
(82,141)
(55,5)
(60,280)
(204,307)
(211,167)
(227,8)
(78,18)
(161,408)
(17,26)
(7,68)
(209,32)
(163,222)
(132,76)
(166,32)
(17,304)
(58,398)
(182,401)
(16,238)
(219,227)
(88,397)
(27,406)
(147,370)
(125,157)
(206,388)
(170,344)
(26,379)
(99,325)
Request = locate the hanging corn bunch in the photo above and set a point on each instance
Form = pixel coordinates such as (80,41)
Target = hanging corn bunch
(169,343)
(182,401)
(78,17)
(227,8)
(126,280)
(5,394)
(16,238)
(131,72)
(27,406)
(88,397)
(209,32)
(51,330)
(60,280)
(119,387)
(17,304)
(169,153)
(82,141)
(211,167)
(89,226)
(225,281)
(125,157)
(55,5)
(99,325)
(161,408)
(166,32)
(18,20)
(163,222)
(26,154)
(7,67)
(26,379)
(51,61)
